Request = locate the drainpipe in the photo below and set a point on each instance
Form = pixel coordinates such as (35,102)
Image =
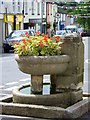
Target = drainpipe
(41,16)
(46,15)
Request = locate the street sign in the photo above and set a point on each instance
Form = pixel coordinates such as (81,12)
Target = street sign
(57,15)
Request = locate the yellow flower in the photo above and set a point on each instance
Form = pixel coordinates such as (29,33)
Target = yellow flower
(39,46)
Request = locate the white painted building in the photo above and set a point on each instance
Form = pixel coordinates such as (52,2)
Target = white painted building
(37,13)
(1,32)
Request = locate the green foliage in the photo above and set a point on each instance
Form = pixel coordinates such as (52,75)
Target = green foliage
(82,11)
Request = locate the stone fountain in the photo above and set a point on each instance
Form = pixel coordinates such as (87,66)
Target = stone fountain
(66,81)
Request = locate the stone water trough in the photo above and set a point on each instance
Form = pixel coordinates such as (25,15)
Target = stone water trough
(64,98)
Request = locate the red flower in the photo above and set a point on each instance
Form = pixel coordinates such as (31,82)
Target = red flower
(57,38)
(22,35)
(24,41)
(41,44)
(45,39)
(26,34)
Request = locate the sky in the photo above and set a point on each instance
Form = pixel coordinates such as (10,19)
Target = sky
(82,0)
(77,0)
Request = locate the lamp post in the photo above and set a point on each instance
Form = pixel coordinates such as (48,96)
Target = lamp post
(23,14)
(14,22)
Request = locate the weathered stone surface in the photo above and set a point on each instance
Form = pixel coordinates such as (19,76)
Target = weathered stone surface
(79,108)
(72,82)
(76,96)
(76,53)
(40,65)
(38,111)
(36,84)
(59,99)
(32,110)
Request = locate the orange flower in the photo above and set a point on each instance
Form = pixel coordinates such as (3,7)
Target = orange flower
(46,40)
(43,34)
(23,47)
(52,46)
(38,33)
(29,40)
(46,36)
(51,38)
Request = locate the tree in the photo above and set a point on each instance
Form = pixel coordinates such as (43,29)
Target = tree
(82,13)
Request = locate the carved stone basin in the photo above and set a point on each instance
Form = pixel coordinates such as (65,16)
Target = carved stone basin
(40,65)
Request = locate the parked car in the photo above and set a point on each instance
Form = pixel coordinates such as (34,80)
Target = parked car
(71,28)
(85,33)
(60,33)
(14,37)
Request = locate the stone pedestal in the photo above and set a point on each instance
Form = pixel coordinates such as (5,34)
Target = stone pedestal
(72,79)
(36,84)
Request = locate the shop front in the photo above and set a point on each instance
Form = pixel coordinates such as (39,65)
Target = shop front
(38,24)
(13,22)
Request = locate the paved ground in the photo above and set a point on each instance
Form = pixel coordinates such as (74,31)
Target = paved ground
(86,116)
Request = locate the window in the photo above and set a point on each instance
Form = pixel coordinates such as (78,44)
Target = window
(51,8)
(33,8)
(19,8)
(13,5)
(48,9)
(13,8)
(18,3)
(25,4)
(38,8)
(13,2)
(43,9)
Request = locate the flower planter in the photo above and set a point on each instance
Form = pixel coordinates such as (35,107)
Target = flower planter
(40,65)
